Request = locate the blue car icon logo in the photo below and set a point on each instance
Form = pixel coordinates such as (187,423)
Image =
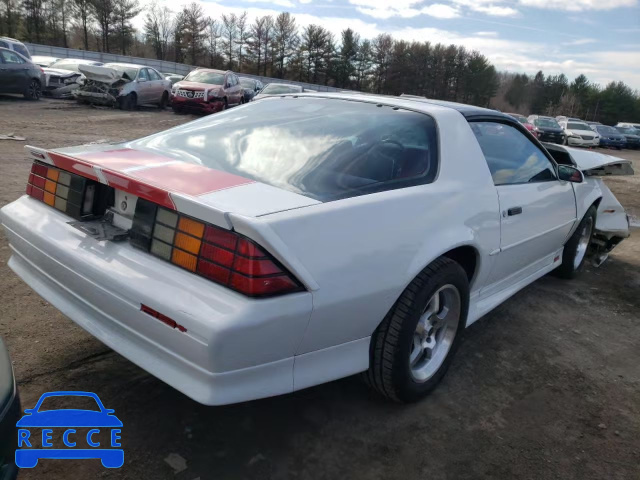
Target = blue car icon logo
(69,433)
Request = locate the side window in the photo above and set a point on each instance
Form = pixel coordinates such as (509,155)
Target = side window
(143,75)
(511,156)
(154,75)
(4,44)
(10,57)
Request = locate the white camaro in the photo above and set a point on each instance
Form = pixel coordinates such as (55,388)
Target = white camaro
(305,238)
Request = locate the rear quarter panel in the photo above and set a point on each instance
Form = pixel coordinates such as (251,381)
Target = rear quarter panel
(361,253)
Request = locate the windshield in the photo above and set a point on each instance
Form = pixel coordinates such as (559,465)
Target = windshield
(202,76)
(577,126)
(273,89)
(126,72)
(247,83)
(607,129)
(629,131)
(546,122)
(321,148)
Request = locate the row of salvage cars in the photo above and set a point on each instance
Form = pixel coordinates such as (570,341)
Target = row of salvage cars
(128,85)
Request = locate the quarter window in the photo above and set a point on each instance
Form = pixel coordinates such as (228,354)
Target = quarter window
(511,156)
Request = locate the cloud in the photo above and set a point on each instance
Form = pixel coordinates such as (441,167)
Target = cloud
(438,10)
(487,34)
(496,10)
(280,3)
(579,5)
(384,9)
(579,41)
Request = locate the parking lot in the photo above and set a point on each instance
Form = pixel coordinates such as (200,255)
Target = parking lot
(546,386)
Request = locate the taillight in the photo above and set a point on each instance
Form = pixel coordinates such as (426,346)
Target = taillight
(220,255)
(67,192)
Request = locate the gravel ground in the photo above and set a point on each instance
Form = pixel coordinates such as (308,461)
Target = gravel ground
(547,386)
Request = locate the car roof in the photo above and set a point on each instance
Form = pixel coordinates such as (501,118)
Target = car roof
(77,60)
(132,65)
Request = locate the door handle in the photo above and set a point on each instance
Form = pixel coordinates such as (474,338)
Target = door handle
(514,211)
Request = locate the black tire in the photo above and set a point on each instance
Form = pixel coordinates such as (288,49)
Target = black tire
(389,371)
(164,101)
(225,105)
(129,102)
(177,110)
(569,269)
(34,90)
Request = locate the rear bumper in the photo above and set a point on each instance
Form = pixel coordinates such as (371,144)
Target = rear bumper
(235,348)
(196,106)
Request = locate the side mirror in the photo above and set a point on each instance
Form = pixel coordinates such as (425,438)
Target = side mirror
(570,174)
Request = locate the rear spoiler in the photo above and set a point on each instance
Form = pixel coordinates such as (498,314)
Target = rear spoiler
(133,178)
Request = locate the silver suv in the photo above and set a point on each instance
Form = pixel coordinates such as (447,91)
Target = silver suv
(15,45)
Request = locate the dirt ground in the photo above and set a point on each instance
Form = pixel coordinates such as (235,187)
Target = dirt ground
(547,386)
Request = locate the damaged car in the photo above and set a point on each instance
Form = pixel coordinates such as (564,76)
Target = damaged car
(123,85)
(612,222)
(304,238)
(63,77)
(206,91)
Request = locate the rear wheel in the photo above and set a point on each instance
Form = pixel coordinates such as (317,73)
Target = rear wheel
(33,91)
(575,250)
(413,347)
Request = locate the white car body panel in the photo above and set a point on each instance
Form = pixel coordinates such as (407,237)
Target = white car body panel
(354,257)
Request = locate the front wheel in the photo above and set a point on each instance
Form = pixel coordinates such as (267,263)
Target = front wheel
(575,250)
(414,345)
(128,102)
(34,90)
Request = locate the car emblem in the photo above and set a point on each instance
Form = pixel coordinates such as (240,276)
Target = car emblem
(190,94)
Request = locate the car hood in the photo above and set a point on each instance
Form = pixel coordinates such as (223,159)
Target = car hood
(197,85)
(69,418)
(582,132)
(101,74)
(596,163)
(175,181)
(60,72)
(550,130)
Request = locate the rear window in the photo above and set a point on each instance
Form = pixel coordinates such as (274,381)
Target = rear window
(322,148)
(22,50)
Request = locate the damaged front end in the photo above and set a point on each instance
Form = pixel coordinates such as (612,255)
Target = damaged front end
(61,83)
(102,86)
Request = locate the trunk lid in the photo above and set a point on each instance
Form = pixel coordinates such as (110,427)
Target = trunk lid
(599,164)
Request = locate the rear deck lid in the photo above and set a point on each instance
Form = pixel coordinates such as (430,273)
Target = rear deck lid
(596,163)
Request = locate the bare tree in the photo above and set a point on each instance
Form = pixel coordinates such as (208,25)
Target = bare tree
(230,36)
(157,29)
(243,36)
(195,25)
(286,40)
(213,40)
(256,36)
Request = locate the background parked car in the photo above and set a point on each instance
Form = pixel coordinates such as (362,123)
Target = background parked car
(523,120)
(43,61)
(610,137)
(173,77)
(579,134)
(63,77)
(631,135)
(251,87)
(10,413)
(125,85)
(547,129)
(19,75)
(206,90)
(628,124)
(15,45)
(278,89)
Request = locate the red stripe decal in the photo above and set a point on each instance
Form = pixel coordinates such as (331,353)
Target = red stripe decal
(73,165)
(190,179)
(122,158)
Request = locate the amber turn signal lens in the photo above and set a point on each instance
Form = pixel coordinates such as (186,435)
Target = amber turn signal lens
(191,227)
(184,259)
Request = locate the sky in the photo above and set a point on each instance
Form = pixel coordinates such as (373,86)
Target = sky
(600,38)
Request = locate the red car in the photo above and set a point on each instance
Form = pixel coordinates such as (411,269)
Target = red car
(523,120)
(206,91)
